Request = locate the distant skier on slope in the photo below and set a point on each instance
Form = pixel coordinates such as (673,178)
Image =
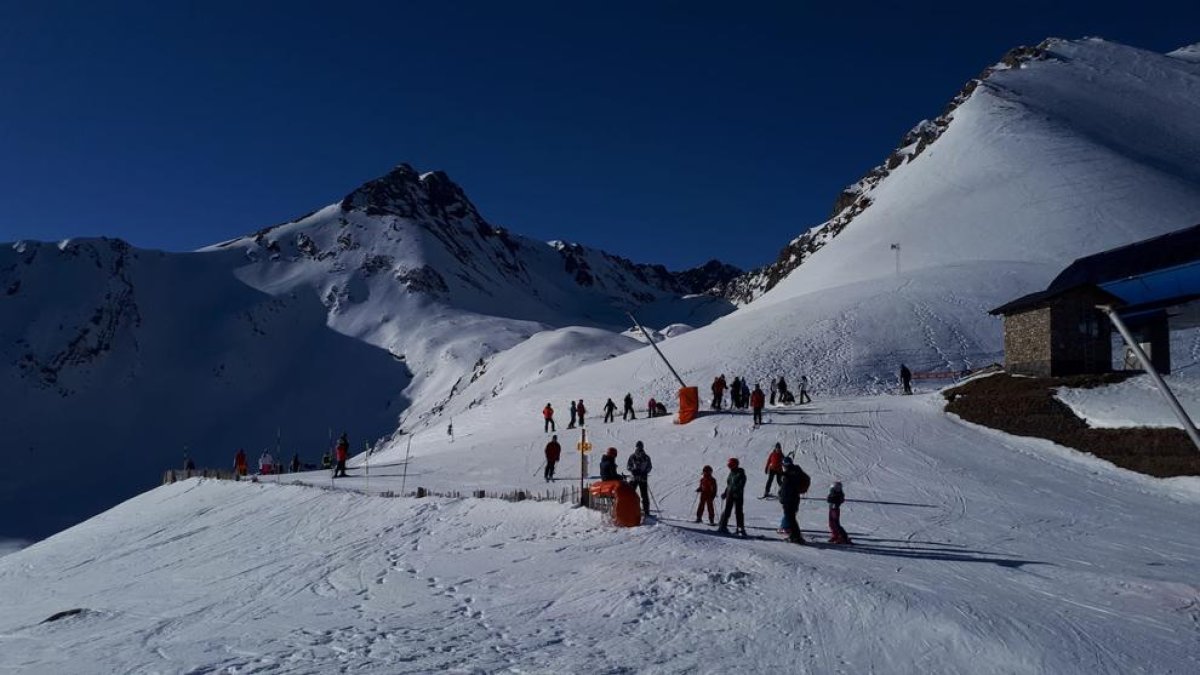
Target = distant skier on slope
(774,468)
(718,392)
(639,467)
(756,404)
(795,483)
(804,397)
(239,462)
(266,463)
(774,388)
(610,409)
(837,533)
(651,407)
(628,412)
(735,487)
(708,492)
(574,411)
(548,419)
(553,452)
(581,411)
(906,378)
(341,453)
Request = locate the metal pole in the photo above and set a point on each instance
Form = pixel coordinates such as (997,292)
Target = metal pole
(404,478)
(660,354)
(582,466)
(367,449)
(1149,368)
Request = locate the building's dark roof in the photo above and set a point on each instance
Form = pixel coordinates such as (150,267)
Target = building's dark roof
(1169,250)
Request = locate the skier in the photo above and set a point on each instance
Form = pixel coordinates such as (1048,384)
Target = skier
(804,397)
(735,487)
(795,483)
(651,407)
(774,469)
(609,409)
(574,410)
(553,452)
(628,412)
(341,453)
(718,392)
(608,465)
(239,462)
(708,492)
(756,403)
(837,534)
(774,387)
(906,378)
(266,464)
(548,419)
(581,410)
(735,394)
(295,462)
(639,467)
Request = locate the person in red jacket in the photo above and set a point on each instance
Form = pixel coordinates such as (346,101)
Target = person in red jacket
(774,469)
(239,463)
(553,452)
(708,492)
(757,401)
(548,417)
(341,453)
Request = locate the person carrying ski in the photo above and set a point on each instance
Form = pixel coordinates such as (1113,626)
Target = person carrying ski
(239,462)
(608,465)
(756,404)
(266,463)
(553,452)
(341,453)
(548,419)
(574,410)
(609,409)
(639,467)
(837,534)
(774,469)
(804,397)
(708,492)
(735,487)
(628,412)
(581,411)
(795,483)
(906,378)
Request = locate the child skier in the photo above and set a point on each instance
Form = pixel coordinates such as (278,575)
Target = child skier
(837,534)
(708,492)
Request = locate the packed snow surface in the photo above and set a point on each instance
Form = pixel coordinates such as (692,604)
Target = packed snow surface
(975,552)
(1136,402)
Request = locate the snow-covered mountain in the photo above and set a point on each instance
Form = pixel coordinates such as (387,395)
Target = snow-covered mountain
(362,316)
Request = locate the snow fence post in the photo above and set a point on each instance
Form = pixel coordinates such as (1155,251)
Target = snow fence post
(584,448)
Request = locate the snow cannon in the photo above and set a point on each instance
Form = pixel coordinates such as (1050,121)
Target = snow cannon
(689,404)
(624,505)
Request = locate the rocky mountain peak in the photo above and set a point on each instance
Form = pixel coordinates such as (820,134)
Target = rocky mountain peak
(404,193)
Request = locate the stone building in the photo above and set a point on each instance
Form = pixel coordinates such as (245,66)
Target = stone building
(1154,284)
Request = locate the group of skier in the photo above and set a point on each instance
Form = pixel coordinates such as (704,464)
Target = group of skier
(793,482)
(579,410)
(267,465)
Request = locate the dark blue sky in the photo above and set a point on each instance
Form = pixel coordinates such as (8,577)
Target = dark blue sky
(665,132)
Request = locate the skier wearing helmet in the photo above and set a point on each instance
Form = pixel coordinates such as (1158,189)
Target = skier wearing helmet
(735,487)
(708,492)
(794,483)
(639,467)
(608,465)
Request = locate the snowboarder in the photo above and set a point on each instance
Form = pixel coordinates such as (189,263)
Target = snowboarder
(548,419)
(266,463)
(574,411)
(774,387)
(837,534)
(628,412)
(296,462)
(906,378)
(708,492)
(610,409)
(639,467)
(341,452)
(795,483)
(774,468)
(553,452)
(608,465)
(756,404)
(581,411)
(735,487)
(804,397)
(239,463)
(718,392)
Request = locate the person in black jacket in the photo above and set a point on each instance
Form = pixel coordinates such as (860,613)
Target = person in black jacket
(837,533)
(795,483)
(906,378)
(608,465)
(735,490)
(639,467)
(628,413)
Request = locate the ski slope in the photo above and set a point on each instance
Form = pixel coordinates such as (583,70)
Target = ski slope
(975,552)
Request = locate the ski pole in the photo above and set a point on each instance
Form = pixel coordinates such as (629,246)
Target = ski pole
(404,478)
(535,473)
(657,507)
